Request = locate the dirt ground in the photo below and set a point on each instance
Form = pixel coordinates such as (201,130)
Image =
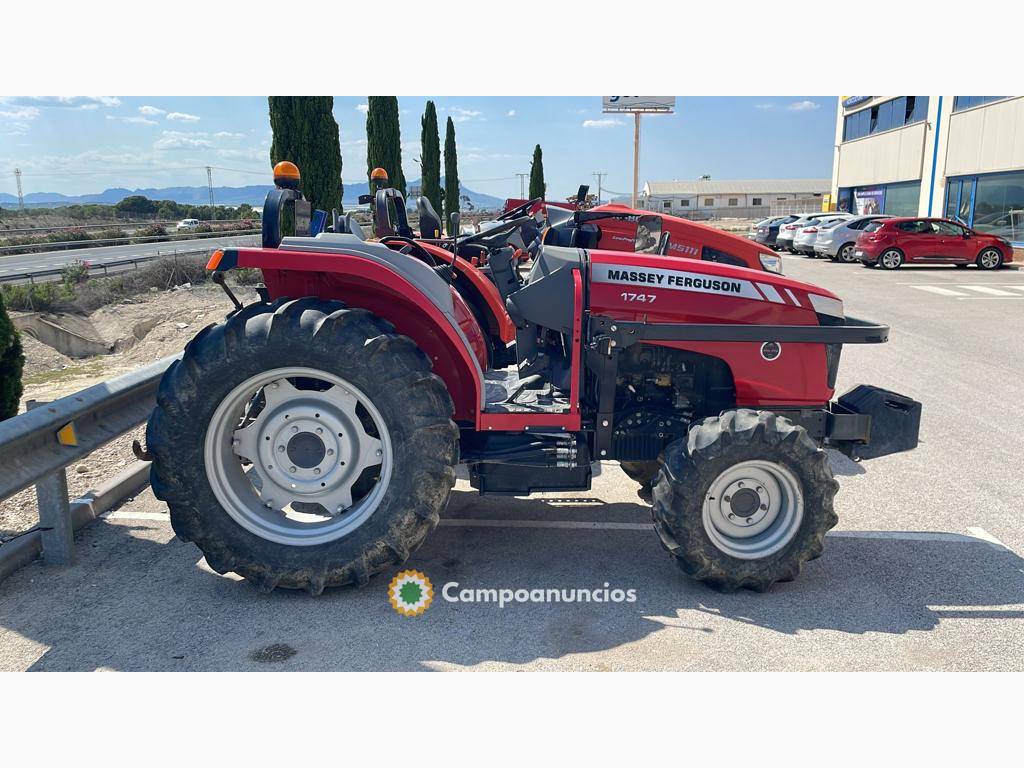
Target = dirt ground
(141,330)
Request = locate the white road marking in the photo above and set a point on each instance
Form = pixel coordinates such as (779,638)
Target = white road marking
(985,289)
(938,290)
(977,535)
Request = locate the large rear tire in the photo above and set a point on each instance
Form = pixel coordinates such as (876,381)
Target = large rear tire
(744,501)
(303,445)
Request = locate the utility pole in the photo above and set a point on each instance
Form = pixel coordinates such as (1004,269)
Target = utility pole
(522,185)
(21,197)
(599,175)
(636,157)
(209,183)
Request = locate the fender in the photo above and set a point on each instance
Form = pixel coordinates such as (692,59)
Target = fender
(506,329)
(457,353)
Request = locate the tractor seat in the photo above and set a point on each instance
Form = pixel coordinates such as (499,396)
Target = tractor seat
(430,222)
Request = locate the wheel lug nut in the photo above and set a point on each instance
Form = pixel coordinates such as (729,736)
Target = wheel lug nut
(380,452)
(330,451)
(316,471)
(319,430)
(295,429)
(727,498)
(291,469)
(280,449)
(764,506)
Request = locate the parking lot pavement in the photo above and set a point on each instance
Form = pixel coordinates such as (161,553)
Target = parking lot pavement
(924,571)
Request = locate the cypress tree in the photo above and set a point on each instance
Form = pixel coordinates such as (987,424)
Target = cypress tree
(384,140)
(451,174)
(537,174)
(306,133)
(12,361)
(430,157)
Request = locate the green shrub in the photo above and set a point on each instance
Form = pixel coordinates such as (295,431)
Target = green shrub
(153,231)
(38,297)
(75,272)
(246,276)
(12,362)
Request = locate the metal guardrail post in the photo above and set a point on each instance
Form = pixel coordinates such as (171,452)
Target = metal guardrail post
(58,535)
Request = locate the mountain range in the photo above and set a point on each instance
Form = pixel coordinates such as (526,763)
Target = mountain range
(253,195)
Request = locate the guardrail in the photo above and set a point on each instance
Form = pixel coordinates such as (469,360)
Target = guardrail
(113,224)
(33,248)
(37,446)
(102,268)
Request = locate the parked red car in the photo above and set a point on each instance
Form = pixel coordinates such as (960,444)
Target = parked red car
(891,243)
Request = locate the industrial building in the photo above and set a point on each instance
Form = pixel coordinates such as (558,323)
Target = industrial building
(708,199)
(955,156)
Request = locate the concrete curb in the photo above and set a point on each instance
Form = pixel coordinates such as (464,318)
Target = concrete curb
(23,550)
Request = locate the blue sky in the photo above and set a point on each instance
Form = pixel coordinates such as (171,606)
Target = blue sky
(78,145)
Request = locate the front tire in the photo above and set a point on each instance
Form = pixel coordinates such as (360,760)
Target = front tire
(303,445)
(744,501)
(988,259)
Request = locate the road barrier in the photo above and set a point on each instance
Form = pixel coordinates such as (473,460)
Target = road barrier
(103,269)
(37,446)
(82,245)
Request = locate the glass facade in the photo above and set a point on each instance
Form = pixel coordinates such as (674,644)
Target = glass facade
(966,102)
(893,199)
(895,113)
(993,203)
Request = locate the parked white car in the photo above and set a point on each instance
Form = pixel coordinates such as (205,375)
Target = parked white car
(836,241)
(805,238)
(186,225)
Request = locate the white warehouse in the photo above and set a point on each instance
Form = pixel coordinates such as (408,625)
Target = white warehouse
(708,199)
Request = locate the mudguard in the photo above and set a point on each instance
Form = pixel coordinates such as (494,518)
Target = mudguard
(416,301)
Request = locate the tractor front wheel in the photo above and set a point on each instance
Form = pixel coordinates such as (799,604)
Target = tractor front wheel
(744,501)
(302,444)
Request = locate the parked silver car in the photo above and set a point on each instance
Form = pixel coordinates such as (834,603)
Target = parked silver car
(836,242)
(752,232)
(806,236)
(784,241)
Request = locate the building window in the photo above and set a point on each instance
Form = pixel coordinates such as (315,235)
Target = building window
(667,204)
(966,102)
(895,113)
(999,205)
(902,199)
(756,201)
(734,201)
(709,201)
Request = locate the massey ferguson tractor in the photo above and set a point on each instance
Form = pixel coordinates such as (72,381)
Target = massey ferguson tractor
(311,439)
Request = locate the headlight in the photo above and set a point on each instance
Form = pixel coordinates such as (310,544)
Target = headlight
(771,262)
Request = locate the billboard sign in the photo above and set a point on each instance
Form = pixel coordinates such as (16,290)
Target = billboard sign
(853,101)
(638,103)
(868,200)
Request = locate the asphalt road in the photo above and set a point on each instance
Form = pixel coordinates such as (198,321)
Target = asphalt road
(924,571)
(25,263)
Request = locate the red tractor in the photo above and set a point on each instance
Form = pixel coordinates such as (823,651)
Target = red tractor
(311,439)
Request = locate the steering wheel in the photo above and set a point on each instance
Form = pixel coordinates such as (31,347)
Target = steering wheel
(520,210)
(489,234)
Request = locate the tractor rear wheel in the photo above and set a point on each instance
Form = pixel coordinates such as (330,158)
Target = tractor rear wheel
(304,445)
(744,501)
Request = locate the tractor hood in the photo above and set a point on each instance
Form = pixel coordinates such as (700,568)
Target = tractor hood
(667,285)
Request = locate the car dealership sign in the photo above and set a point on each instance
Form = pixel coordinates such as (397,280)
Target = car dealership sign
(638,103)
(853,101)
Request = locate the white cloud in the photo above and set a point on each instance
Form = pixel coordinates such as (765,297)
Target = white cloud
(510,113)
(69,102)
(228,135)
(180,140)
(460,115)
(803,106)
(183,117)
(135,119)
(19,113)
(764,106)
(152,111)
(364,108)
(604,122)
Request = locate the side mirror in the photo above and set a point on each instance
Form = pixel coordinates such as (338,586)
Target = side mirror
(454,220)
(366,199)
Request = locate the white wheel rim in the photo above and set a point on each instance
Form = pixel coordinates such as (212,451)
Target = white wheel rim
(753,509)
(989,259)
(297,472)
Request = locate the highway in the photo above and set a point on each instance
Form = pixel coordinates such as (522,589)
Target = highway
(28,263)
